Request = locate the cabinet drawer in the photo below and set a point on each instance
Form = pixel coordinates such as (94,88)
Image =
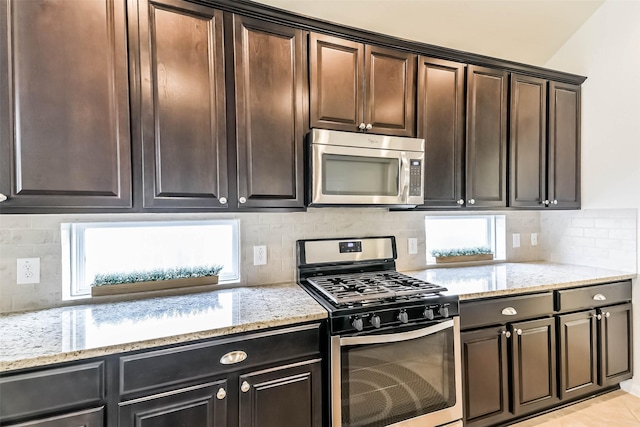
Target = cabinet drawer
(502,310)
(171,366)
(593,296)
(51,390)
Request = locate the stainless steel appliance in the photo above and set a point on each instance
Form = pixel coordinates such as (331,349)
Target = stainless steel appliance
(394,341)
(364,169)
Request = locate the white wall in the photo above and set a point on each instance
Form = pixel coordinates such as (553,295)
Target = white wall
(607,50)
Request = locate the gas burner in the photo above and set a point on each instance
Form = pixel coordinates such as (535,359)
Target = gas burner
(369,287)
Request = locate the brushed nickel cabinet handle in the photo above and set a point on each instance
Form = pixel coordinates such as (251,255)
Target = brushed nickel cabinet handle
(233,357)
(245,387)
(221,394)
(599,297)
(509,311)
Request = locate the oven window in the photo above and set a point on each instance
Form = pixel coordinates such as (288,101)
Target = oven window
(360,176)
(384,384)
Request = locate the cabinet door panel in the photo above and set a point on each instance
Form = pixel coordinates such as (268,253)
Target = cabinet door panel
(64,104)
(564,145)
(183,105)
(486,137)
(578,355)
(270,106)
(291,393)
(528,141)
(485,378)
(534,365)
(202,406)
(336,73)
(441,124)
(390,91)
(616,344)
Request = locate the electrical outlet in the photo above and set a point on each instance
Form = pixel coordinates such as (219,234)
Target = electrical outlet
(28,271)
(516,240)
(413,245)
(259,255)
(534,239)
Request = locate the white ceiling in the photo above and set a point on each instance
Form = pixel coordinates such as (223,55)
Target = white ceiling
(528,31)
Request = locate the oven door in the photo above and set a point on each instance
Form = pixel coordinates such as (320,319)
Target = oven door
(405,379)
(362,176)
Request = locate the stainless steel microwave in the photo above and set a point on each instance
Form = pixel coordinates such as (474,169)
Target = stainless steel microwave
(364,169)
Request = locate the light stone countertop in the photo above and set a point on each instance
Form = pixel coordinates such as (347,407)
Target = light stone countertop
(78,332)
(484,281)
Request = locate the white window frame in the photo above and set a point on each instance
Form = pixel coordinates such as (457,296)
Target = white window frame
(74,266)
(495,242)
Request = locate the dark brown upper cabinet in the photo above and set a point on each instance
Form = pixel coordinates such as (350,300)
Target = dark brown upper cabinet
(563,179)
(64,106)
(358,87)
(441,99)
(271,90)
(184,145)
(486,172)
(528,142)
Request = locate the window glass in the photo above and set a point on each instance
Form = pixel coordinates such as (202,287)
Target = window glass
(465,234)
(102,248)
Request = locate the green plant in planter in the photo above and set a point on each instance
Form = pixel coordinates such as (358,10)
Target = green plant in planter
(478,250)
(156,275)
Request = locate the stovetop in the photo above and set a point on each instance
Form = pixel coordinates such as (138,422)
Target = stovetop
(356,280)
(369,287)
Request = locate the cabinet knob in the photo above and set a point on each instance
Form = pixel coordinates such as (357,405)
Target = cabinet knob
(555,202)
(506,334)
(221,394)
(472,201)
(242,200)
(607,315)
(460,201)
(369,126)
(362,126)
(2,197)
(545,202)
(223,200)
(599,316)
(245,387)
(519,331)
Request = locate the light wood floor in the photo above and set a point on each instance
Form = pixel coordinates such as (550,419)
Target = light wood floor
(615,409)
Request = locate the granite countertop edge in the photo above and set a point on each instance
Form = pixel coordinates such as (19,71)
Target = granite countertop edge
(78,355)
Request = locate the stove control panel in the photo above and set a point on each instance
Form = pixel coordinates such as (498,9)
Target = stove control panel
(380,318)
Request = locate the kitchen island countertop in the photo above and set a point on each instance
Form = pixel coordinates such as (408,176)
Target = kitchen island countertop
(63,334)
(484,281)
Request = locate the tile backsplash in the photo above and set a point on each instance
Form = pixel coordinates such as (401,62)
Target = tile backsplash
(602,238)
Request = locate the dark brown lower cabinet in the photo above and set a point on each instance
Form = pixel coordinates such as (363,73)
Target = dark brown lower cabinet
(202,405)
(284,395)
(508,371)
(89,418)
(616,345)
(578,346)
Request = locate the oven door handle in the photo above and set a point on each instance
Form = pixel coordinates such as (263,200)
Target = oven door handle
(402,336)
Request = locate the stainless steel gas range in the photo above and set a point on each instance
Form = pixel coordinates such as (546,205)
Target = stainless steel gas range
(394,341)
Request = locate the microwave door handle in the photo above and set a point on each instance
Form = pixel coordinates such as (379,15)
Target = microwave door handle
(404,174)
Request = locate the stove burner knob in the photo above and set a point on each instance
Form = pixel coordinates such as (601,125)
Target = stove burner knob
(375,321)
(444,311)
(403,317)
(357,324)
(428,313)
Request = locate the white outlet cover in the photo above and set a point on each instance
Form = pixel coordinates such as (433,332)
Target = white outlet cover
(259,255)
(413,245)
(516,240)
(534,239)
(28,271)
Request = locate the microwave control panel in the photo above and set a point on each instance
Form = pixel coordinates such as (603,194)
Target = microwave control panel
(415,177)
